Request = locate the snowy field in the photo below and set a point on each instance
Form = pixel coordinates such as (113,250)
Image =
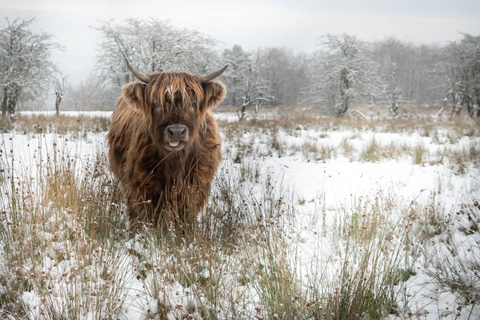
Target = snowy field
(90,114)
(309,218)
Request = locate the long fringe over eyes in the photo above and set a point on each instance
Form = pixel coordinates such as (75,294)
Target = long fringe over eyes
(171,86)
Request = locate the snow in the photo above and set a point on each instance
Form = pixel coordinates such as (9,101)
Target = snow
(339,182)
(68,113)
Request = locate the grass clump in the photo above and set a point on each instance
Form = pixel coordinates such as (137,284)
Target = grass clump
(59,230)
(419,154)
(372,152)
(456,259)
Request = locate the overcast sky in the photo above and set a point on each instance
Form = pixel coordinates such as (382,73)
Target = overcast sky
(249,23)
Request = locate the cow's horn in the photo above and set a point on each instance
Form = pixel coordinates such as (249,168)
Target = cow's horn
(211,76)
(140,76)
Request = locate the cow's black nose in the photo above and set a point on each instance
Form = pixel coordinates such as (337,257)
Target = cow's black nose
(177,132)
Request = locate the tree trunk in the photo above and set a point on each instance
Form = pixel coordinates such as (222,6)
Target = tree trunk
(13,99)
(476,112)
(344,86)
(57,106)
(58,100)
(4,104)
(456,105)
(242,110)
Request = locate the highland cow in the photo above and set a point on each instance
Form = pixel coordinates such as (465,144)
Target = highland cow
(164,144)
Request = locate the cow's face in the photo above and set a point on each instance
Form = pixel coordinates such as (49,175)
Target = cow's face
(175,105)
(178,104)
(175,116)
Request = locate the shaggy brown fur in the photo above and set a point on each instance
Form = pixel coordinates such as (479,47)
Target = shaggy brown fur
(165,183)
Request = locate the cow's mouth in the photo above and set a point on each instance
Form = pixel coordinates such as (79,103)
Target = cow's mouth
(176,144)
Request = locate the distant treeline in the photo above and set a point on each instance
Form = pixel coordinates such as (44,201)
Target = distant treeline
(344,70)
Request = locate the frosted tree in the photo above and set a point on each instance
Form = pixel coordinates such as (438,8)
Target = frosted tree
(391,91)
(151,45)
(245,84)
(59,87)
(25,68)
(234,77)
(472,46)
(343,73)
(448,75)
(459,72)
(394,59)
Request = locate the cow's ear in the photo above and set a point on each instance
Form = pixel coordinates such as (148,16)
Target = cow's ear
(135,93)
(214,93)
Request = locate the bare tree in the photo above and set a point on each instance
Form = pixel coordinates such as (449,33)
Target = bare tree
(447,72)
(256,90)
(237,60)
(458,74)
(245,84)
(151,45)
(343,73)
(391,92)
(59,90)
(25,67)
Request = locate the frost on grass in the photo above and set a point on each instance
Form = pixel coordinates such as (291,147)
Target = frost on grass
(308,218)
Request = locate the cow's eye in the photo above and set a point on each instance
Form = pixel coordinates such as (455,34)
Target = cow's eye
(154,105)
(194,105)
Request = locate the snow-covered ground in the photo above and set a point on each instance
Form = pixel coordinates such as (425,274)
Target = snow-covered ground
(341,184)
(69,113)
(321,188)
